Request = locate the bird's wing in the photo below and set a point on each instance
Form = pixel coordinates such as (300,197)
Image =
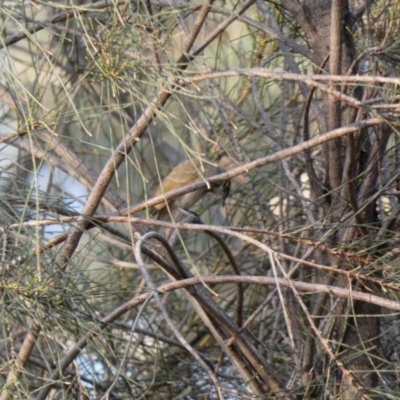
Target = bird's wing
(187,174)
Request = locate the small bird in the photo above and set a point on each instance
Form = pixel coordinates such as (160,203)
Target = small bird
(183,174)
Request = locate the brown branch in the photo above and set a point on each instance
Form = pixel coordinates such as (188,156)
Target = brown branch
(21,360)
(316,185)
(335,161)
(234,231)
(136,132)
(60,17)
(136,301)
(311,79)
(236,270)
(279,155)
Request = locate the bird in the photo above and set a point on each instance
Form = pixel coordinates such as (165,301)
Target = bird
(183,174)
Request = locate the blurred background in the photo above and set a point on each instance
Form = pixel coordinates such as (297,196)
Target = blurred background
(139,86)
